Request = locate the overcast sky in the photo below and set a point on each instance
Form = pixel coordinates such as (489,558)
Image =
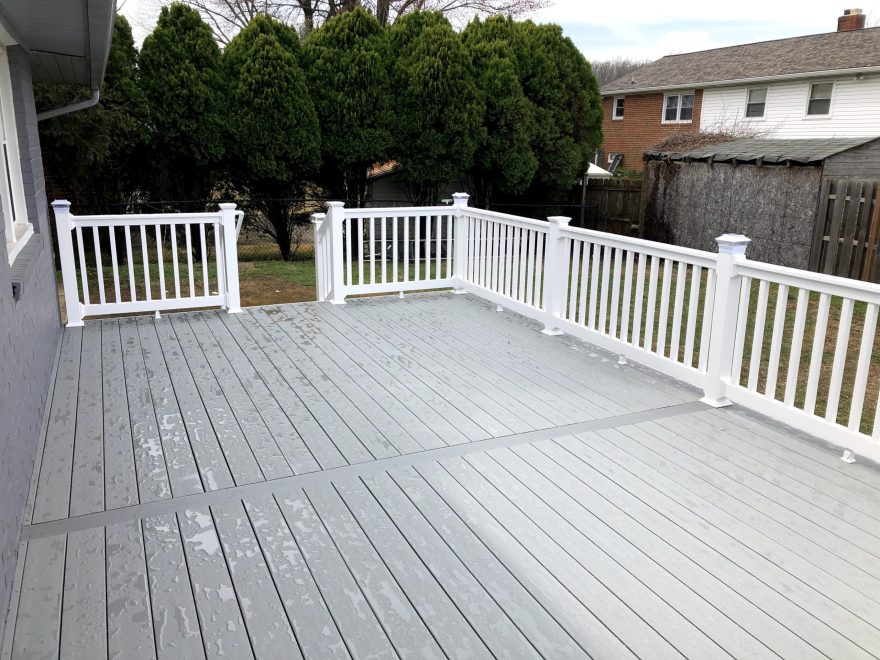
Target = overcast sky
(641,29)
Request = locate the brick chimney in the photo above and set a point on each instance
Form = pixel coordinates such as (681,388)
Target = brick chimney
(852,19)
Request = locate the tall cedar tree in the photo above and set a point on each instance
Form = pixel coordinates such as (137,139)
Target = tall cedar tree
(347,68)
(95,154)
(274,132)
(438,121)
(568,108)
(183,87)
(504,161)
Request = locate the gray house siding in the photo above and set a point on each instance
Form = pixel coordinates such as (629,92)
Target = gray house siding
(30,329)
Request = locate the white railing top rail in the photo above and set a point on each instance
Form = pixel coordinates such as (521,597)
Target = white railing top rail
(819,282)
(483,214)
(399,211)
(208,217)
(653,248)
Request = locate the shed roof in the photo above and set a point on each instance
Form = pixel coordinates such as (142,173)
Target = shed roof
(827,52)
(751,150)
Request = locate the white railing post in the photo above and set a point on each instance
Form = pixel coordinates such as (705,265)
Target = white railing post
(230,257)
(460,202)
(64,230)
(336,217)
(320,256)
(554,275)
(722,337)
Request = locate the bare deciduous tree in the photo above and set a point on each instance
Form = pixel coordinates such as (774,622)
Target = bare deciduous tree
(607,71)
(228,17)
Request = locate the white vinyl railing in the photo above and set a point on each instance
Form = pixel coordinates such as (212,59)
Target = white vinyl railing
(120,264)
(794,345)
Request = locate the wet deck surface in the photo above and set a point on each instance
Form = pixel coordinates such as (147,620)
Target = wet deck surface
(423,478)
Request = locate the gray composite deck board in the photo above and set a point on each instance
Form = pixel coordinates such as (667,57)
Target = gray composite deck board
(532,350)
(506,419)
(280,413)
(343,372)
(149,455)
(53,483)
(395,478)
(315,423)
(175,619)
(183,472)
(376,429)
(210,456)
(87,472)
(465,398)
(420,399)
(84,612)
(360,439)
(120,476)
(750,572)
(130,632)
(235,388)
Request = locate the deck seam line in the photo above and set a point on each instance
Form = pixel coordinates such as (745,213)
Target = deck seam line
(177,504)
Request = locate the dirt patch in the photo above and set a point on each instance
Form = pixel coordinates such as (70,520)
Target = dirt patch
(270,290)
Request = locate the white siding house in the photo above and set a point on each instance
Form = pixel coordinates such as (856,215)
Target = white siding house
(854,110)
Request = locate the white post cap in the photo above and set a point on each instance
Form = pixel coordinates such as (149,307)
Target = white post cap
(559,219)
(60,204)
(733,244)
(318,218)
(460,199)
(335,204)
(227,205)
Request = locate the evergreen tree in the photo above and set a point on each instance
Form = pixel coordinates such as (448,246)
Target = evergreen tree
(438,122)
(183,88)
(95,154)
(558,81)
(504,161)
(274,134)
(347,68)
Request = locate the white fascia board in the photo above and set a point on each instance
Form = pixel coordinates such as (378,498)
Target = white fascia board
(745,81)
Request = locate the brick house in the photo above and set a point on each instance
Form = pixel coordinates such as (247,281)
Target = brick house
(817,86)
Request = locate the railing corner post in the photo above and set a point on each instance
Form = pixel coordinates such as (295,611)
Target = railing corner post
(64,231)
(336,216)
(230,257)
(722,336)
(460,202)
(554,275)
(318,242)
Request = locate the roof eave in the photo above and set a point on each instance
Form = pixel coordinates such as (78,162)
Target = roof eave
(742,81)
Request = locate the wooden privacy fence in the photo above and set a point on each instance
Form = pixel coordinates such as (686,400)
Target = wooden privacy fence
(122,264)
(797,346)
(847,238)
(617,203)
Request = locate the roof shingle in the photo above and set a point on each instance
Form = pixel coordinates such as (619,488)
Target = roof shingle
(818,52)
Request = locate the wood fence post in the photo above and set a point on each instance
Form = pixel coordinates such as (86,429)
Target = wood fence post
(64,231)
(336,217)
(722,336)
(230,257)
(554,275)
(460,237)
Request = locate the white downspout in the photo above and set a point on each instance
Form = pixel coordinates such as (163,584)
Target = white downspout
(72,107)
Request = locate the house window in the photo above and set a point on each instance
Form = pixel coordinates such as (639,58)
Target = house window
(12,201)
(618,107)
(756,102)
(678,108)
(820,99)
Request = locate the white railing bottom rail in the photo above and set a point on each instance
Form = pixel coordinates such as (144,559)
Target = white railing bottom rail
(799,347)
(122,264)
